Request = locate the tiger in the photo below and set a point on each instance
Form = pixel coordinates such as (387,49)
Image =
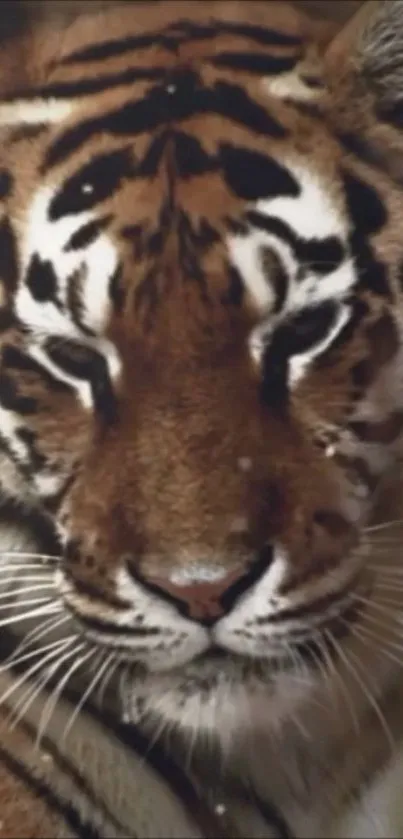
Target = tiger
(201,420)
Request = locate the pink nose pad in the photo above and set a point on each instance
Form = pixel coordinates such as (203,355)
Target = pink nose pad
(204,601)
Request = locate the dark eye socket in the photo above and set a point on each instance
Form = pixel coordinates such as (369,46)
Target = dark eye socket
(85,364)
(309,327)
(94,183)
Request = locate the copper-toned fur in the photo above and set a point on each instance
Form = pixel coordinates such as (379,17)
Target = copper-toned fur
(201,354)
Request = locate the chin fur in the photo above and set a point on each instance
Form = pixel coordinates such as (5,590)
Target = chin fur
(213,702)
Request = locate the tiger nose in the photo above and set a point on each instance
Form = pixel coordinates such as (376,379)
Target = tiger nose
(208,601)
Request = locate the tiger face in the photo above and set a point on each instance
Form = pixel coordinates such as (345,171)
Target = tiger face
(201,353)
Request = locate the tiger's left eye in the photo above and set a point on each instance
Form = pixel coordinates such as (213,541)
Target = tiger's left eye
(298,335)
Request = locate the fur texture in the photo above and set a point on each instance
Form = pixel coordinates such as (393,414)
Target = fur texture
(201,376)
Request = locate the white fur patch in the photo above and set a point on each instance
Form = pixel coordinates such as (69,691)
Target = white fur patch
(35,111)
(291,86)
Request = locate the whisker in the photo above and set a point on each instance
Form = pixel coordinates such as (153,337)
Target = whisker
(380,607)
(31,555)
(384,526)
(14,662)
(27,675)
(87,693)
(49,707)
(26,578)
(45,627)
(24,704)
(364,687)
(50,608)
(6,595)
(30,602)
(19,568)
(343,687)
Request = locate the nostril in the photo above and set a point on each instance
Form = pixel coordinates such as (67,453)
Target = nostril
(203,598)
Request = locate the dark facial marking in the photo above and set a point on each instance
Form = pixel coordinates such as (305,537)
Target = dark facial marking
(8,256)
(190,157)
(364,205)
(256,63)
(236,289)
(41,280)
(252,175)
(182,30)
(319,255)
(276,276)
(12,400)
(92,184)
(88,234)
(160,108)
(117,291)
(15,359)
(6,184)
(84,363)
(37,459)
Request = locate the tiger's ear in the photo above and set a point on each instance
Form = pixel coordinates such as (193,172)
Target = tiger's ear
(368,52)
(365,78)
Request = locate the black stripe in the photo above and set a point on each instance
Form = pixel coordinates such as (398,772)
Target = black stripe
(117,47)
(70,770)
(259,64)
(319,607)
(82,828)
(6,183)
(37,460)
(88,234)
(171,37)
(104,174)
(252,175)
(117,291)
(88,86)
(85,364)
(15,359)
(11,399)
(104,626)
(319,255)
(190,157)
(273,817)
(41,280)
(9,268)
(160,108)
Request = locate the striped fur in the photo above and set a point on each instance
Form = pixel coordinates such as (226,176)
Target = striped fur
(201,416)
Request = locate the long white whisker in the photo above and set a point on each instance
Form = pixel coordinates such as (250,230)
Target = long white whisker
(45,627)
(23,705)
(30,555)
(34,601)
(383,526)
(91,687)
(364,687)
(20,568)
(33,654)
(16,579)
(23,590)
(51,703)
(26,676)
(50,608)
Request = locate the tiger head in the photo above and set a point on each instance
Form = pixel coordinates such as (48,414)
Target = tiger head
(201,360)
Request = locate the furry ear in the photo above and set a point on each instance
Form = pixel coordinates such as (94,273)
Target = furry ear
(370,50)
(365,78)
